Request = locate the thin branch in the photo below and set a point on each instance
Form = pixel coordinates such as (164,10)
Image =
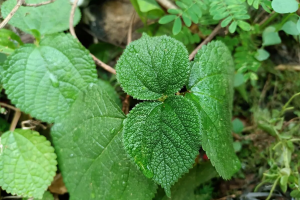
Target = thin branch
(11,14)
(288,67)
(167,4)
(15,120)
(71,21)
(8,106)
(37,4)
(129,34)
(72,31)
(207,40)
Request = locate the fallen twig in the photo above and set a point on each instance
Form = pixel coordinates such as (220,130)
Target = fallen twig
(288,67)
(167,4)
(72,31)
(207,40)
(37,4)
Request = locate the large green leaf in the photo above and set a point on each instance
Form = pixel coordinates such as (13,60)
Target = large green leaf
(105,85)
(91,155)
(9,41)
(152,67)
(285,6)
(44,80)
(163,139)
(27,163)
(46,19)
(211,90)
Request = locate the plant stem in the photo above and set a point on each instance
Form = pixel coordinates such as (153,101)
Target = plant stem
(273,188)
(268,20)
(289,101)
(15,120)
(207,40)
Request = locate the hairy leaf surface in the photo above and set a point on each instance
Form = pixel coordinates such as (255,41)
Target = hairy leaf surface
(163,139)
(91,155)
(44,80)
(27,163)
(152,67)
(211,90)
(46,19)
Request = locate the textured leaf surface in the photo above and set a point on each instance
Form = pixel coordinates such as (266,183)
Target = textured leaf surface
(211,86)
(47,196)
(9,41)
(184,188)
(152,67)
(44,80)
(163,138)
(27,163)
(105,85)
(91,155)
(41,18)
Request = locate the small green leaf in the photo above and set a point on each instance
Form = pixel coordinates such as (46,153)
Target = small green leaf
(233,27)
(244,25)
(177,26)
(27,163)
(91,155)
(262,55)
(295,194)
(226,21)
(238,79)
(237,125)
(47,196)
(148,5)
(283,183)
(270,36)
(44,80)
(41,18)
(175,11)
(167,19)
(290,27)
(163,139)
(9,41)
(298,25)
(186,20)
(150,68)
(286,6)
(211,91)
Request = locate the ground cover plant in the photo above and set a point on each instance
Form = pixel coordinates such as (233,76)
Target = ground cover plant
(183,99)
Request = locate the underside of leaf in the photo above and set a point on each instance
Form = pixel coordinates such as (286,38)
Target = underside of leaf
(163,139)
(91,155)
(27,163)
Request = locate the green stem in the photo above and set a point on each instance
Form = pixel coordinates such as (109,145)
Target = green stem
(273,188)
(289,101)
(285,19)
(268,21)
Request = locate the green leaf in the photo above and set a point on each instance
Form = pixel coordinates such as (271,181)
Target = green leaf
(211,90)
(163,139)
(295,194)
(167,19)
(184,188)
(270,36)
(175,11)
(177,26)
(91,156)
(41,18)
(152,67)
(186,20)
(262,55)
(237,125)
(238,79)
(233,27)
(244,25)
(47,196)
(283,183)
(290,27)
(226,21)
(9,41)
(298,25)
(44,80)
(286,6)
(4,126)
(105,86)
(27,163)
(148,5)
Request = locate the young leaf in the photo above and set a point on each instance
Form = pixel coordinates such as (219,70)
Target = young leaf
(290,27)
(152,67)
(27,163)
(91,156)
(44,80)
(286,6)
(244,25)
(262,55)
(9,41)
(177,25)
(233,27)
(148,5)
(211,90)
(163,139)
(270,36)
(41,18)
(298,25)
